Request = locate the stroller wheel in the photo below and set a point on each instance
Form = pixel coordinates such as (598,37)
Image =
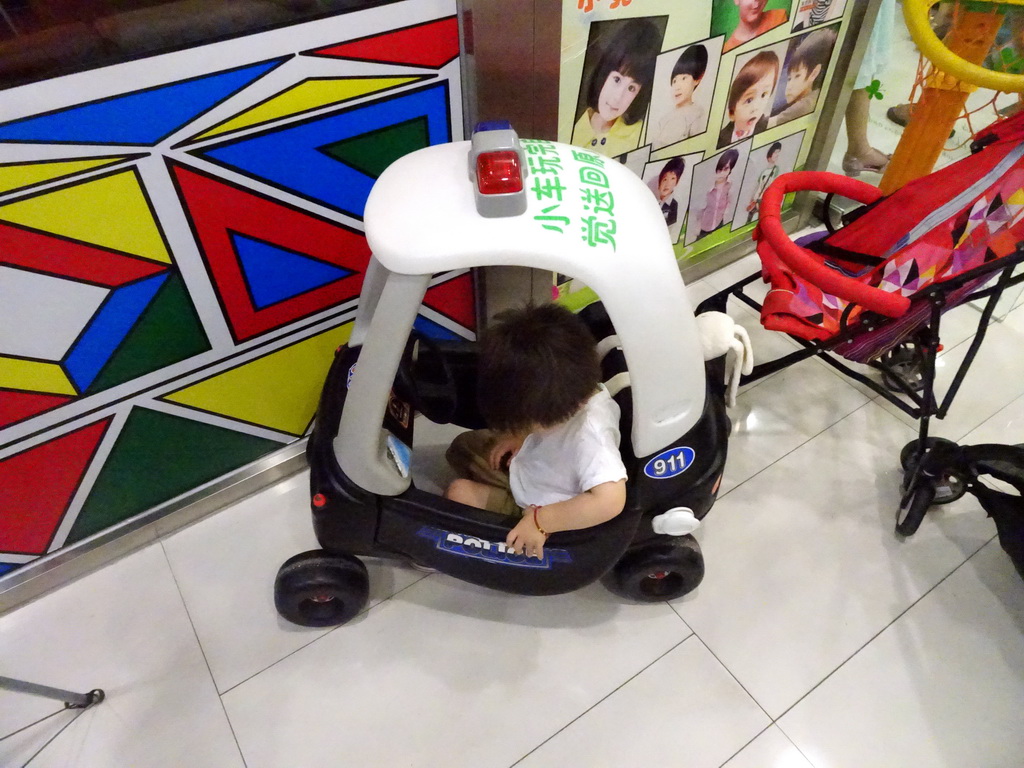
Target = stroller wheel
(319,589)
(906,364)
(657,572)
(948,488)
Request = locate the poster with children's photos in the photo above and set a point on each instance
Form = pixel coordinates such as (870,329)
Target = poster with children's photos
(651,81)
(715,192)
(764,166)
(669,180)
(684,80)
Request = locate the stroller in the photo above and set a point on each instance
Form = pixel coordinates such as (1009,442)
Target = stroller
(874,290)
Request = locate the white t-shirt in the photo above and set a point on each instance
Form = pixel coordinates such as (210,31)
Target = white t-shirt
(571,458)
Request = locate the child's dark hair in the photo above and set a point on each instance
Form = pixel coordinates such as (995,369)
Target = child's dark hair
(676,165)
(729,158)
(693,62)
(750,73)
(813,51)
(631,50)
(538,365)
(776,147)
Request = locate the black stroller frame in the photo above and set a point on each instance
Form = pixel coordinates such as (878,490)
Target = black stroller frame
(922,352)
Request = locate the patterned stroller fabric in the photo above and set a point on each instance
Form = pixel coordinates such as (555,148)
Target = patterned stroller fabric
(931,230)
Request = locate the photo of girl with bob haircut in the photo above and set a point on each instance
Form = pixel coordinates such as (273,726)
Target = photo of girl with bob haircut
(616,87)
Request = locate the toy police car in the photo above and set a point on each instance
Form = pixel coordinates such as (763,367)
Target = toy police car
(537,204)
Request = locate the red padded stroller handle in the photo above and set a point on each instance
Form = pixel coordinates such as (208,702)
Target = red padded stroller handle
(816,181)
(807,264)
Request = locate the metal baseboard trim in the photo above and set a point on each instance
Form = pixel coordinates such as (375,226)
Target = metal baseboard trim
(72,562)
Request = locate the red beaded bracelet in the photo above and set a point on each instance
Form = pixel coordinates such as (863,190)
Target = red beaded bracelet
(537,509)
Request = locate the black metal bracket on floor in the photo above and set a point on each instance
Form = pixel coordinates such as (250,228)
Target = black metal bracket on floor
(71,699)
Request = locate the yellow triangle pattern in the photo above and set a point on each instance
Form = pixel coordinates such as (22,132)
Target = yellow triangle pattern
(111,212)
(26,174)
(34,376)
(279,391)
(307,95)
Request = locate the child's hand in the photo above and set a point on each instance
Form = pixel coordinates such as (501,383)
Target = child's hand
(507,445)
(525,538)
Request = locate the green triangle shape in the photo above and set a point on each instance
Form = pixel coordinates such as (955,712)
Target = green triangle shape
(156,457)
(167,332)
(372,152)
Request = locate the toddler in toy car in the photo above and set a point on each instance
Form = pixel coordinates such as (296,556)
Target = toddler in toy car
(551,453)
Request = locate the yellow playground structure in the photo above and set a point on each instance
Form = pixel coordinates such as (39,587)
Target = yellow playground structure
(957,72)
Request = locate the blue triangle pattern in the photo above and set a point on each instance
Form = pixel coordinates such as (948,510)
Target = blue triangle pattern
(433,330)
(112,322)
(275,274)
(290,157)
(139,118)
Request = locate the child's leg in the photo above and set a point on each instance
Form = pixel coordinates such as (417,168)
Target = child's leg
(469,455)
(482,496)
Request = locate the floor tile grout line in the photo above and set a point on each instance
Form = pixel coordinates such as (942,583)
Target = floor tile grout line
(796,448)
(321,637)
(604,698)
(202,651)
(875,636)
(731,673)
(755,738)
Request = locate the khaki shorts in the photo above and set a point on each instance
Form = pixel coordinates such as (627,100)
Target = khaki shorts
(469,456)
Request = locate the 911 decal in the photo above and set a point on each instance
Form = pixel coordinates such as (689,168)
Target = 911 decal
(669,463)
(495,552)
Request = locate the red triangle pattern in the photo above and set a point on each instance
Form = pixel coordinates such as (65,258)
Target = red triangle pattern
(427,45)
(218,209)
(37,485)
(27,248)
(454,299)
(18,406)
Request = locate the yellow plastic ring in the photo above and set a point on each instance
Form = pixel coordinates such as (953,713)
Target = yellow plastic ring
(915,12)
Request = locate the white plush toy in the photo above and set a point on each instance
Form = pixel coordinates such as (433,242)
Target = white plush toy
(719,335)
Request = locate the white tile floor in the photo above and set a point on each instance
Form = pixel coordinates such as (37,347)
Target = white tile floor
(816,639)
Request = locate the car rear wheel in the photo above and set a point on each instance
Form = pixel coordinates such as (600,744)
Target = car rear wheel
(656,572)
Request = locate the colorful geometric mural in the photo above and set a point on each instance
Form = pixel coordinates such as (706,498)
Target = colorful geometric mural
(169,315)
(302,158)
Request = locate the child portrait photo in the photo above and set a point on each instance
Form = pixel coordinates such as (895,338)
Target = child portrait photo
(751,95)
(741,21)
(684,84)
(615,90)
(669,180)
(764,166)
(714,193)
(811,13)
(804,71)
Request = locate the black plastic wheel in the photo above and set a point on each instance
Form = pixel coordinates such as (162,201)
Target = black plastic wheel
(319,589)
(949,487)
(657,572)
(906,362)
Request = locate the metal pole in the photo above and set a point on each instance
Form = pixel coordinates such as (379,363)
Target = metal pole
(71,699)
